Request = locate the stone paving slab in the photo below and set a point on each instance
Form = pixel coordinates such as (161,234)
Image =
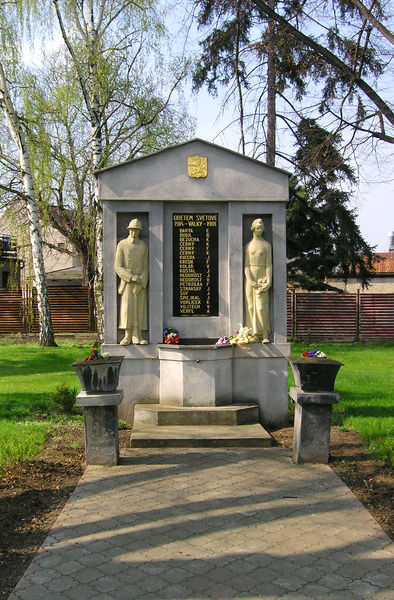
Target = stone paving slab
(216,524)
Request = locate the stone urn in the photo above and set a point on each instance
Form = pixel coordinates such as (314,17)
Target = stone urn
(314,374)
(98,376)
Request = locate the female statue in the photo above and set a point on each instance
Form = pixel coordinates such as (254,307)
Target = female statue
(258,279)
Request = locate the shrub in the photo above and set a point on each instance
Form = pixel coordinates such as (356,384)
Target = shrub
(64,399)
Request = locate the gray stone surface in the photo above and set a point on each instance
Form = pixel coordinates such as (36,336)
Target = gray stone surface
(312,425)
(109,399)
(158,414)
(313,397)
(101,435)
(252,376)
(201,436)
(195,376)
(211,524)
(163,176)
(238,189)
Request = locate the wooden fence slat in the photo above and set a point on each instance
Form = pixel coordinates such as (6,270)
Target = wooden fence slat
(10,311)
(70,310)
(310,316)
(325,316)
(377,316)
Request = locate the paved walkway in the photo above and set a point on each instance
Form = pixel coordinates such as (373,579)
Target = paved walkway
(211,523)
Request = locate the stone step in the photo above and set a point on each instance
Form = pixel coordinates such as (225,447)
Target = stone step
(214,436)
(162,415)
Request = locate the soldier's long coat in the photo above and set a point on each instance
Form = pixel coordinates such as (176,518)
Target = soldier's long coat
(132,260)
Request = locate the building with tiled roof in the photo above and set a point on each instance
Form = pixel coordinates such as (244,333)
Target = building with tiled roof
(383,280)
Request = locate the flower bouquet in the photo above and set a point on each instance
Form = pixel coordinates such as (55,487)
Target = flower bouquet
(170,336)
(223,341)
(314,354)
(95,355)
(243,335)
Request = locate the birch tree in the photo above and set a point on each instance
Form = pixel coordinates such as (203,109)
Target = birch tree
(60,135)
(28,193)
(105,38)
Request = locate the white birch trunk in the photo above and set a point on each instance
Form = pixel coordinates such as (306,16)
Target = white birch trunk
(97,155)
(46,330)
(90,94)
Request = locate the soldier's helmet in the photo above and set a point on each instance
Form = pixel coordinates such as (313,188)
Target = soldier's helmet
(134,224)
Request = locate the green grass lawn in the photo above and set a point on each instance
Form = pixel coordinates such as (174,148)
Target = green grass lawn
(366,387)
(29,377)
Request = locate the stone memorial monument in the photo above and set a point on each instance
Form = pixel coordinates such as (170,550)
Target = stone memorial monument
(205,255)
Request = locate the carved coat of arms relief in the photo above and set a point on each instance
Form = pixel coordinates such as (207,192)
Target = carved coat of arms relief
(197,166)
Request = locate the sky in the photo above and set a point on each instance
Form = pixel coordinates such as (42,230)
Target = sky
(373,199)
(374,196)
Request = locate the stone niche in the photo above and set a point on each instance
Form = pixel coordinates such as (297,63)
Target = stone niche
(201,197)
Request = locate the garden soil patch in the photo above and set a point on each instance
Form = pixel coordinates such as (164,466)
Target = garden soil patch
(33,494)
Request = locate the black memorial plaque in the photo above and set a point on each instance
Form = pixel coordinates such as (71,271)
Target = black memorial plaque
(195,265)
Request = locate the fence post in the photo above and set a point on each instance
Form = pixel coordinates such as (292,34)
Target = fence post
(294,315)
(92,311)
(358,316)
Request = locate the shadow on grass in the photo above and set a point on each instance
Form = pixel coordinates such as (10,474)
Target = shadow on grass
(374,411)
(26,404)
(38,361)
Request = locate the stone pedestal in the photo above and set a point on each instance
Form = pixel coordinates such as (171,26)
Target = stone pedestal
(312,425)
(101,427)
(195,375)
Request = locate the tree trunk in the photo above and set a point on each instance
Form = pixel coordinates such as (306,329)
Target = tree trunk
(97,154)
(90,91)
(372,19)
(271,93)
(46,337)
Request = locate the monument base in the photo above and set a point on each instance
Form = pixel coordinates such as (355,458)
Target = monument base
(212,436)
(205,375)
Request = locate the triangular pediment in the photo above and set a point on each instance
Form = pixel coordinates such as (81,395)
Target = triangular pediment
(193,170)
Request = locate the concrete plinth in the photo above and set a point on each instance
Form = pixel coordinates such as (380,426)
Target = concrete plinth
(101,427)
(195,375)
(212,436)
(312,424)
(205,375)
(159,414)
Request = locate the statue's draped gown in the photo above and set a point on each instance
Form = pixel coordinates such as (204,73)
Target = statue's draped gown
(258,266)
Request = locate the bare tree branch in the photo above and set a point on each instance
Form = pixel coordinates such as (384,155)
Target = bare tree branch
(331,59)
(373,20)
